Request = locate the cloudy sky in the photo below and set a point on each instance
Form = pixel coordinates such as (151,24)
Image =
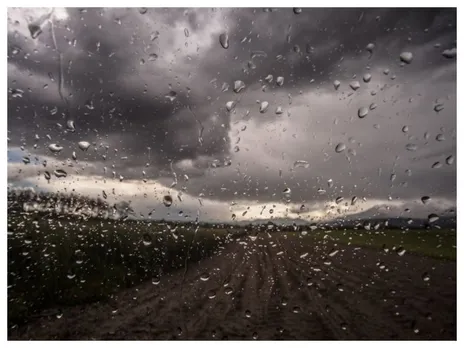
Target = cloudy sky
(237,113)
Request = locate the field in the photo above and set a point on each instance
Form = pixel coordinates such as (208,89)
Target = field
(165,281)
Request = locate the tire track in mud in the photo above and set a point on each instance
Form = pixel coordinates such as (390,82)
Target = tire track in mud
(264,289)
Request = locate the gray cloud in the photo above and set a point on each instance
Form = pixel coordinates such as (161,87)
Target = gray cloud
(105,56)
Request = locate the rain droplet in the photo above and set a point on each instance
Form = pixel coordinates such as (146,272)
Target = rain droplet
(248,313)
(268,78)
(353,200)
(296,310)
(333,253)
(297,10)
(152,57)
(105,196)
(47,175)
(340,147)
(450,160)
(263,107)
(411,147)
(167,200)
(171,96)
(355,85)
(370,47)
(55,148)
(279,110)
(60,173)
(224,40)
(405,129)
(425,277)
(436,165)
(280,81)
(35,30)
(362,112)
(74,156)
(16,93)
(400,251)
(336,84)
(438,107)
(338,200)
(143,10)
(287,191)
(186,32)
(433,217)
(230,105)
(204,277)
(155,280)
(406,57)
(239,86)
(211,294)
(83,145)
(367,77)
(146,239)
(70,125)
(440,137)
(301,164)
(425,199)
(450,53)
(373,106)
(228,290)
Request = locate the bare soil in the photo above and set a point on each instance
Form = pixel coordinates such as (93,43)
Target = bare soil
(269,289)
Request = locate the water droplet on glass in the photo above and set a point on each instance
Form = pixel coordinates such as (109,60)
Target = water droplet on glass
(143,10)
(438,107)
(228,290)
(370,47)
(186,32)
(230,105)
(263,107)
(433,217)
(373,106)
(155,280)
(152,57)
(301,164)
(204,277)
(280,81)
(47,175)
(440,137)
(340,148)
(35,30)
(405,129)
(406,57)
(224,40)
(55,148)
(60,173)
(248,313)
(400,251)
(296,310)
(338,200)
(211,294)
(239,86)
(425,199)
(336,84)
(70,125)
(386,71)
(367,77)
(268,78)
(355,85)
(167,200)
(146,239)
(450,53)
(425,277)
(297,10)
(16,93)
(83,145)
(255,335)
(287,191)
(279,110)
(450,160)
(362,112)
(436,165)
(411,147)
(171,96)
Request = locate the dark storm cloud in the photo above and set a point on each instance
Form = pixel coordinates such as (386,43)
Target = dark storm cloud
(130,112)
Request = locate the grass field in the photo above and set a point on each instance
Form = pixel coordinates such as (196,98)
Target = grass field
(434,243)
(68,261)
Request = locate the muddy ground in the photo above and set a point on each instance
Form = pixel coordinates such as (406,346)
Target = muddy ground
(274,287)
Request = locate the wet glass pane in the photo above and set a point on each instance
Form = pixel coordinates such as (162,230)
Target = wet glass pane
(241,174)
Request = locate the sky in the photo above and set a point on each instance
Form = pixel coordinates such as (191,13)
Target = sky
(238,114)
